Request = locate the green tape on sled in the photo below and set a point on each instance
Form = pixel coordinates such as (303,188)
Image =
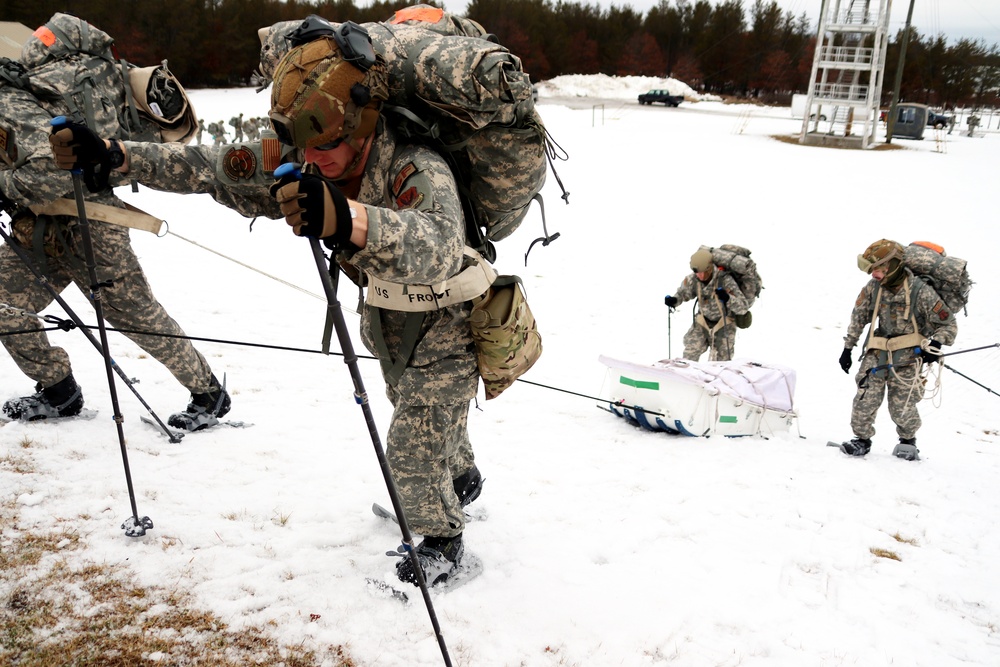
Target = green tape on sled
(639,384)
(728,419)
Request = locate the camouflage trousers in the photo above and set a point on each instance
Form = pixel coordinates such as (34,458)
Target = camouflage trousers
(128,304)
(698,339)
(428,447)
(905,388)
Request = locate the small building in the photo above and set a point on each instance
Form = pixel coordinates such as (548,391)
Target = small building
(911,119)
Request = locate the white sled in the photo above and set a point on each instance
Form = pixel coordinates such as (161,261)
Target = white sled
(730,398)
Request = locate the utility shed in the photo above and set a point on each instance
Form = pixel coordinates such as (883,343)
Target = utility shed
(911,119)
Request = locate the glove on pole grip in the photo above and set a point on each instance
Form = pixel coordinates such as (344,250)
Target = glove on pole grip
(312,205)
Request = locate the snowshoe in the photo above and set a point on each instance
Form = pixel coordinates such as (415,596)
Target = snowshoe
(856,446)
(63,399)
(468,486)
(438,558)
(906,449)
(204,410)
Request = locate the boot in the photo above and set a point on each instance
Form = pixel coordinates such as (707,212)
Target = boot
(856,447)
(438,558)
(204,409)
(906,449)
(468,486)
(63,399)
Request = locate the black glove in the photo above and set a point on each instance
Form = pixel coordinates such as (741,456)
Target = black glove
(670,301)
(314,207)
(932,354)
(75,146)
(845,360)
(722,294)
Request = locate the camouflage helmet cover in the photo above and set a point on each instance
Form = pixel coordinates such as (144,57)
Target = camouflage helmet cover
(701,261)
(880,253)
(319,97)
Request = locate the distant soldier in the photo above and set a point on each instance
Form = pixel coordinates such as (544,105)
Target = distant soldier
(719,300)
(250,130)
(237,123)
(218,133)
(909,312)
(201,130)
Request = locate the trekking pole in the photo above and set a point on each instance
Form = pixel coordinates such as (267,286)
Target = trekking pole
(135,526)
(670,335)
(979,384)
(916,351)
(729,352)
(326,273)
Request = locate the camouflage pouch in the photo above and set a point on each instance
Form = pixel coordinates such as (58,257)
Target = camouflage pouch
(31,232)
(507,339)
(23,228)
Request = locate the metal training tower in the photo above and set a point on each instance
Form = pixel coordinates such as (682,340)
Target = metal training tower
(845,87)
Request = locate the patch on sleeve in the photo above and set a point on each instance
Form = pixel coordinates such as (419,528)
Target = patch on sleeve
(397,183)
(239,163)
(270,150)
(861,297)
(8,149)
(409,199)
(940,310)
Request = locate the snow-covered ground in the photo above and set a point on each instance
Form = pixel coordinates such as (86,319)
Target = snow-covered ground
(604,545)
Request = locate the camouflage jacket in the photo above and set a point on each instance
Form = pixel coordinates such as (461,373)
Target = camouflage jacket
(708,302)
(416,235)
(31,176)
(934,319)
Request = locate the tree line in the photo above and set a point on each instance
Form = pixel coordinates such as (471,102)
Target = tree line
(727,47)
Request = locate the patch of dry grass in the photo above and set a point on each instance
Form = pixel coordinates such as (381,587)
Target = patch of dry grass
(59,608)
(885,553)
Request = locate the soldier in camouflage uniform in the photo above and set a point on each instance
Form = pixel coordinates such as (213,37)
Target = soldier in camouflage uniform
(719,299)
(913,324)
(29,178)
(393,211)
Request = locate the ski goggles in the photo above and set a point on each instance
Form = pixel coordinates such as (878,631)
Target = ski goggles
(287,132)
(329,146)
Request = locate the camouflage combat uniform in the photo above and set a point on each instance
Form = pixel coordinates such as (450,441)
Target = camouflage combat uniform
(905,386)
(128,302)
(416,235)
(711,315)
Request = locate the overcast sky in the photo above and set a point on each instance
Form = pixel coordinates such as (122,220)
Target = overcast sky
(974,19)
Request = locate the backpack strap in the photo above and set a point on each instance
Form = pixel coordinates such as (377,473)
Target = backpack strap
(914,339)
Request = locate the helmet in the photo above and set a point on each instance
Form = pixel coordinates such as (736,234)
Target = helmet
(881,253)
(701,261)
(319,97)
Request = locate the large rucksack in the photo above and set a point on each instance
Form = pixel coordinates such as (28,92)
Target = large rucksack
(70,67)
(736,260)
(451,86)
(948,276)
